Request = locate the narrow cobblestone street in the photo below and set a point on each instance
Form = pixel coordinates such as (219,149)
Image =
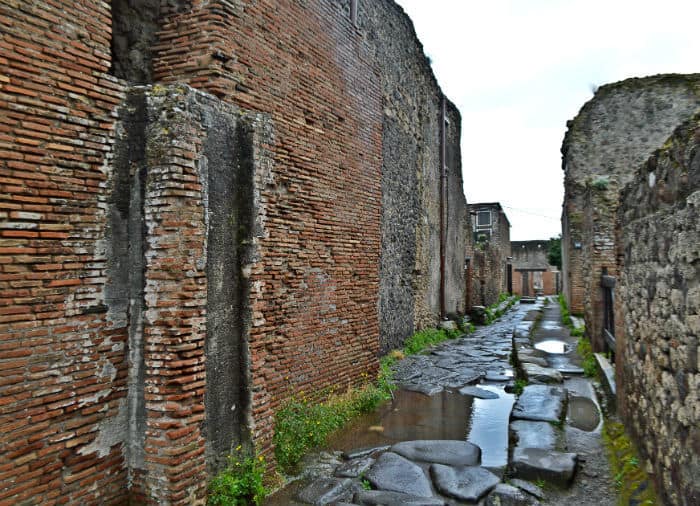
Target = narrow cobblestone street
(467,427)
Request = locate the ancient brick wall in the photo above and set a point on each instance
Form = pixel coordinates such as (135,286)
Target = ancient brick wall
(63,367)
(315,284)
(658,313)
(409,297)
(180,258)
(613,133)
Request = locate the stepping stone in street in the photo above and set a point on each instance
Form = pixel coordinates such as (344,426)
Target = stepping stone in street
(463,483)
(496,376)
(528,487)
(531,359)
(353,468)
(507,495)
(384,498)
(522,330)
(544,403)
(479,393)
(570,369)
(364,452)
(540,374)
(538,464)
(534,434)
(324,491)
(394,473)
(453,453)
(422,388)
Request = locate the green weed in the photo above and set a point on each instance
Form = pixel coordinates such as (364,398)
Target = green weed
(240,483)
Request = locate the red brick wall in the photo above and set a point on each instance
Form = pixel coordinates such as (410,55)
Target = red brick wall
(315,301)
(62,362)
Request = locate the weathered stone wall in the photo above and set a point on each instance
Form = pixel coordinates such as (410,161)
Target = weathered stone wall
(409,297)
(613,133)
(659,312)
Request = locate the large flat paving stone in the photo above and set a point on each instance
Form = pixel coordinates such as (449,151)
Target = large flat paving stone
(463,483)
(543,403)
(394,473)
(477,392)
(451,453)
(384,498)
(538,464)
(324,491)
(537,373)
(534,434)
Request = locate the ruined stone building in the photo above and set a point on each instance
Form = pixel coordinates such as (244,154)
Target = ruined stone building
(207,207)
(490,254)
(532,273)
(630,248)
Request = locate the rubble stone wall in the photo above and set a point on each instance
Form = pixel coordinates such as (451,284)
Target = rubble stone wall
(659,312)
(613,133)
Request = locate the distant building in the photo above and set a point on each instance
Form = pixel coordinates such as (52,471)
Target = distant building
(532,273)
(488,266)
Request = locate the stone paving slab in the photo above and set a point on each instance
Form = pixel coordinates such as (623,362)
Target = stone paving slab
(477,392)
(551,466)
(508,495)
(539,374)
(534,434)
(324,491)
(453,453)
(463,483)
(541,403)
(394,473)
(384,498)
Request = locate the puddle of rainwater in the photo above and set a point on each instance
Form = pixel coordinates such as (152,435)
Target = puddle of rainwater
(411,415)
(488,427)
(583,413)
(553,346)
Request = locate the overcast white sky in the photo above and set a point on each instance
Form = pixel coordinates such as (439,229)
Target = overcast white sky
(519,69)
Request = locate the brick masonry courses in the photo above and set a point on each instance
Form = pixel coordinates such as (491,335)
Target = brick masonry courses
(612,134)
(658,312)
(63,366)
(114,229)
(410,262)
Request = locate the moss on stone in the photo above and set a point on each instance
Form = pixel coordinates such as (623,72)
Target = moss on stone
(630,479)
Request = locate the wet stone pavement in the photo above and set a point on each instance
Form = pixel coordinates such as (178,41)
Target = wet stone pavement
(457,433)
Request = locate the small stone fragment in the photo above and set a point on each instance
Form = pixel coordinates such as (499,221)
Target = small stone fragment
(324,491)
(384,498)
(353,468)
(507,495)
(538,464)
(479,393)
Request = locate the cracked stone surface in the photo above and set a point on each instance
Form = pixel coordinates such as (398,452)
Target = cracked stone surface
(393,472)
(507,495)
(539,374)
(353,468)
(384,498)
(541,403)
(477,392)
(531,434)
(548,465)
(463,483)
(324,491)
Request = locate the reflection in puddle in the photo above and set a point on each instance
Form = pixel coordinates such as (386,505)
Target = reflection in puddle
(489,426)
(411,415)
(583,413)
(552,346)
